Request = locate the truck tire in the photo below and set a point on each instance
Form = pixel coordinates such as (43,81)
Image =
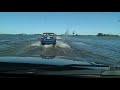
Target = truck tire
(54,44)
(43,43)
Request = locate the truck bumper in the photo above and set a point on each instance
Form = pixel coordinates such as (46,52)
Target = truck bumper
(48,42)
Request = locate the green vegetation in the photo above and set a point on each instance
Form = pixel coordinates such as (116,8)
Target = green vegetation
(101,34)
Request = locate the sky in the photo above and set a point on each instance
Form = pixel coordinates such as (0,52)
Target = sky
(84,23)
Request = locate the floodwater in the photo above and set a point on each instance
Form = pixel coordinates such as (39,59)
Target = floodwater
(89,48)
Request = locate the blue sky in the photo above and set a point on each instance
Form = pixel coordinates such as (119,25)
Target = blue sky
(38,22)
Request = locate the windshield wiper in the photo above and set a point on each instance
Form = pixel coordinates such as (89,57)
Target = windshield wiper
(89,67)
(70,69)
(41,67)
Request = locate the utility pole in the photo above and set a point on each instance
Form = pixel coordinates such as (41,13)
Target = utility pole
(74,30)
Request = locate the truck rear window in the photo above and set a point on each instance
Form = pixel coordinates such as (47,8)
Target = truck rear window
(48,34)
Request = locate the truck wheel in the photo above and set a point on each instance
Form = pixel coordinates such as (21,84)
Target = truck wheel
(43,43)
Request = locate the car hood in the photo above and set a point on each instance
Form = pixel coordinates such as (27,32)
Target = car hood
(39,60)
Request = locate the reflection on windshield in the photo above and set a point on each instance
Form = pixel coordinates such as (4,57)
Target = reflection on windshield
(47,57)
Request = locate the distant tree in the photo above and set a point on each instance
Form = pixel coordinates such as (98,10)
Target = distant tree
(100,34)
(104,34)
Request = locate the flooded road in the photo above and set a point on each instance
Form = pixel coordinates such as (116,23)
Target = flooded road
(89,48)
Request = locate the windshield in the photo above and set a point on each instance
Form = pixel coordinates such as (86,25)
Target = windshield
(91,37)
